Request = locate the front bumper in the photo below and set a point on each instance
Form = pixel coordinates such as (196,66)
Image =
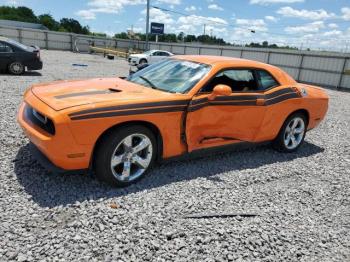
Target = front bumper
(48,165)
(61,149)
(35,65)
(132,61)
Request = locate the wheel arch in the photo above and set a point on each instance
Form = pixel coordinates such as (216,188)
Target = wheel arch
(154,129)
(301,110)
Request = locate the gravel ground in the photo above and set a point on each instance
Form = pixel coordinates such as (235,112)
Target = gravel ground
(301,201)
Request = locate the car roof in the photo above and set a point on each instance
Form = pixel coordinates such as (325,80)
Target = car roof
(238,62)
(210,60)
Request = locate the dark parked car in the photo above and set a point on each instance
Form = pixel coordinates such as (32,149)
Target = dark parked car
(16,57)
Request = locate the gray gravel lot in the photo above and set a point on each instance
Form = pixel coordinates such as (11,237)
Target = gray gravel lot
(301,200)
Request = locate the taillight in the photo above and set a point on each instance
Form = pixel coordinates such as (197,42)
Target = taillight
(38,54)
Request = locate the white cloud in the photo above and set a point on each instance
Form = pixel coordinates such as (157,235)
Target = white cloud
(172,2)
(86,14)
(271,18)
(157,15)
(215,7)
(305,14)
(107,7)
(190,8)
(332,33)
(308,28)
(346,13)
(13,2)
(333,25)
(245,26)
(267,2)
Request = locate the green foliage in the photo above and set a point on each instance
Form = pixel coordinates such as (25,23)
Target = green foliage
(25,14)
(48,21)
(22,14)
(265,44)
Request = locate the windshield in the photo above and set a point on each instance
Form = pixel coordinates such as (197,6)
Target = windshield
(148,52)
(171,75)
(19,44)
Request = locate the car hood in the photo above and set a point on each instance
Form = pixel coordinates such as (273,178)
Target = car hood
(61,95)
(138,56)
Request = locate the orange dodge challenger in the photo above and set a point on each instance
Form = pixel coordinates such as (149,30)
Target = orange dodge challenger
(120,127)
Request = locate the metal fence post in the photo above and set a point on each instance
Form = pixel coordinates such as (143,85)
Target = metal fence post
(72,42)
(221,51)
(268,57)
(185,50)
(199,50)
(342,73)
(46,40)
(20,38)
(300,67)
(241,55)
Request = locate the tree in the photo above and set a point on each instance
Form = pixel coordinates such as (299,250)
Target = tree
(181,36)
(22,14)
(73,26)
(48,21)
(190,38)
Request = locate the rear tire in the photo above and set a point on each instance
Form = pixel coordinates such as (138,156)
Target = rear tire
(292,133)
(125,155)
(16,68)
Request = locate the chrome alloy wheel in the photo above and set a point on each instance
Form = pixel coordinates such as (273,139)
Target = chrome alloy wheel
(131,157)
(294,133)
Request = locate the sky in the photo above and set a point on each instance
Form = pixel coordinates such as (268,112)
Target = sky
(319,24)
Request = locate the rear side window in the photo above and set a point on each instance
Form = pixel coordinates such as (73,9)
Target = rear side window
(4,48)
(266,80)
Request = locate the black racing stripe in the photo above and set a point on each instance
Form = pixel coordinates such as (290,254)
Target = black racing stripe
(236,98)
(83,94)
(197,107)
(234,103)
(132,106)
(281,99)
(199,101)
(274,98)
(132,112)
(278,93)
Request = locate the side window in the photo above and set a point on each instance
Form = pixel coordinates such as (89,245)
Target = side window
(265,80)
(156,53)
(164,54)
(237,79)
(4,48)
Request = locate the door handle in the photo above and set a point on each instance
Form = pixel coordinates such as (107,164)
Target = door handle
(260,101)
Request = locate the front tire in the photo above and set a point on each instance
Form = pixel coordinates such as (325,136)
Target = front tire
(292,133)
(16,68)
(125,155)
(143,61)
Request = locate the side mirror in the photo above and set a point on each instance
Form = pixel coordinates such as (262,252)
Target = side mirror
(220,90)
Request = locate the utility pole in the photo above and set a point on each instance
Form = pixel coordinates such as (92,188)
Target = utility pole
(147,24)
(204,29)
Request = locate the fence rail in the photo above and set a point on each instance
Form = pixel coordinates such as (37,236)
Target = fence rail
(321,68)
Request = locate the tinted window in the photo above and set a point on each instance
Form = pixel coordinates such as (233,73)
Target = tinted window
(4,48)
(266,80)
(164,54)
(238,80)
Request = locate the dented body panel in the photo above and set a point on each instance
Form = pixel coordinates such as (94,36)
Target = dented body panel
(82,111)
